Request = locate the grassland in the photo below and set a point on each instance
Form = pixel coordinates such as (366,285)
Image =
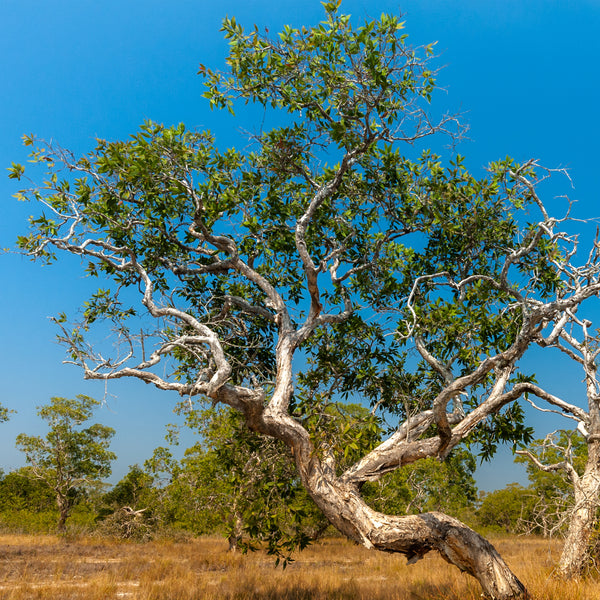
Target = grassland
(48,567)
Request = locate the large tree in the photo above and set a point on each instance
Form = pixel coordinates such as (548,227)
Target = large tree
(323,259)
(70,458)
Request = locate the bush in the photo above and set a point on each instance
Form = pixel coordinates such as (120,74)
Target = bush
(128,524)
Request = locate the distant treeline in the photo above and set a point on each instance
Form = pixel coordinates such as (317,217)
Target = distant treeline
(236,487)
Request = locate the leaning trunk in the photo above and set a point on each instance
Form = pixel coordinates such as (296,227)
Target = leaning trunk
(576,551)
(340,501)
(411,535)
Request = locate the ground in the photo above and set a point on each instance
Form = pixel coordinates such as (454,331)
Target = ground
(49,567)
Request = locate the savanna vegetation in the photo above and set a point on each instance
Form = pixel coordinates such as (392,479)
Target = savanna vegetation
(49,568)
(343,311)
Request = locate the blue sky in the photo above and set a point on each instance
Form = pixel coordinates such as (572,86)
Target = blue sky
(524,75)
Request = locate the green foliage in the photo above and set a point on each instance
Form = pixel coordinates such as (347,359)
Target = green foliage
(314,71)
(506,426)
(4,414)
(508,509)
(238,483)
(21,490)
(28,504)
(70,459)
(345,92)
(133,490)
(189,494)
(344,430)
(427,485)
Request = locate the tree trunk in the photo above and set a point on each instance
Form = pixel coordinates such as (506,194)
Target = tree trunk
(412,535)
(576,551)
(63,513)
(235,535)
(340,501)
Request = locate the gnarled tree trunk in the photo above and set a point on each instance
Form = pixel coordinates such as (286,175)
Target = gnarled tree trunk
(575,554)
(411,535)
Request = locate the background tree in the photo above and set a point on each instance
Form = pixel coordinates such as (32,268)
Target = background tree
(565,480)
(321,260)
(128,510)
(508,509)
(255,487)
(20,490)
(70,458)
(190,493)
(552,489)
(546,505)
(428,485)
(133,490)
(248,482)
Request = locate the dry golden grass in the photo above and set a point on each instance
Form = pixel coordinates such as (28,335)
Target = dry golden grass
(47,567)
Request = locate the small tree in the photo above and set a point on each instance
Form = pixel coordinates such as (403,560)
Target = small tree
(69,458)
(244,479)
(551,489)
(133,490)
(564,468)
(506,509)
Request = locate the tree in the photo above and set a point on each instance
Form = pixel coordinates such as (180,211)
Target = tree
(247,480)
(128,510)
(3,414)
(20,490)
(565,466)
(552,489)
(132,490)
(547,505)
(191,493)
(69,459)
(506,508)
(321,263)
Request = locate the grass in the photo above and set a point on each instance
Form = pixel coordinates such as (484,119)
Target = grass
(48,567)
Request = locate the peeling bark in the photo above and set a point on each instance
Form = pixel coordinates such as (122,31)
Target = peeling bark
(411,535)
(576,551)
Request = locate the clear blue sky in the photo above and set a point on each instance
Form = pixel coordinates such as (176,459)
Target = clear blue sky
(524,75)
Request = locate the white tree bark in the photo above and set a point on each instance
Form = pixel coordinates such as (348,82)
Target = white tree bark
(411,535)
(582,518)
(575,554)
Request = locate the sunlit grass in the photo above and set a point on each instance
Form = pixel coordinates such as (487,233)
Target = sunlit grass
(49,567)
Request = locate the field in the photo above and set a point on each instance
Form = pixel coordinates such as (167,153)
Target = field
(44,567)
